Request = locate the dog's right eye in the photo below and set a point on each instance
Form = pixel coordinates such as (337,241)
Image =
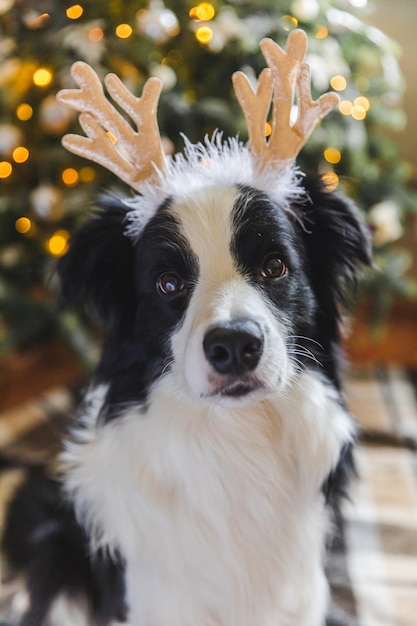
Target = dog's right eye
(273,267)
(170,284)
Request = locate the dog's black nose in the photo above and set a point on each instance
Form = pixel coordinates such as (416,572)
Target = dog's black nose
(234,348)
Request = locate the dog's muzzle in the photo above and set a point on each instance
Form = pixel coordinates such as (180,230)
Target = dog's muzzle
(235,348)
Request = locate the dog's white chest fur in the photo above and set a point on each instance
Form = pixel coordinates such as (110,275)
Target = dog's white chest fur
(218,512)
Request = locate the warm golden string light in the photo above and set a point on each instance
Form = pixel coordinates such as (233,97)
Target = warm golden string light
(322,31)
(70,177)
(24,112)
(357,109)
(203,12)
(363,102)
(123,31)
(6,169)
(289,22)
(58,243)
(42,77)
(330,180)
(74,12)
(23,225)
(20,154)
(338,82)
(204,34)
(358,112)
(332,155)
(345,107)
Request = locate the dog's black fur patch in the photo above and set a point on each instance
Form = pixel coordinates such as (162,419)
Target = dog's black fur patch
(336,240)
(119,277)
(43,541)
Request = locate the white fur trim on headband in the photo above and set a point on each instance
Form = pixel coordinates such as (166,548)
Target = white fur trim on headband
(208,164)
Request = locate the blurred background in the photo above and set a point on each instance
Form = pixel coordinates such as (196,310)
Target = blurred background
(364,50)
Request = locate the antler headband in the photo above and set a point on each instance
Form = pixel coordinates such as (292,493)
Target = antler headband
(138,156)
(286,74)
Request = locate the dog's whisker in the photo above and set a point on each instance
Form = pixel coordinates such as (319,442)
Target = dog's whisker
(167,364)
(305,352)
(306,339)
(299,364)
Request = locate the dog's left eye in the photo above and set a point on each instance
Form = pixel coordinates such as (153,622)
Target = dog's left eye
(273,267)
(170,284)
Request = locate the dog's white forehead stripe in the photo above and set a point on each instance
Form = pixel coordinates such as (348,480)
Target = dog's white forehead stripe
(205,220)
(211,164)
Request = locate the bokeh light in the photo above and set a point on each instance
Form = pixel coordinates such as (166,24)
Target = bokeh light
(23,225)
(70,177)
(345,107)
(123,31)
(42,77)
(332,155)
(330,180)
(338,82)
(203,12)
(57,244)
(5,169)
(204,34)
(74,12)
(24,112)
(20,154)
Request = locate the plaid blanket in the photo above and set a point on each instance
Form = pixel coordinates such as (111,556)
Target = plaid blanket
(372,563)
(372,556)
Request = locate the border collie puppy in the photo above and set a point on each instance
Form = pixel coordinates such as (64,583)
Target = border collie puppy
(214,432)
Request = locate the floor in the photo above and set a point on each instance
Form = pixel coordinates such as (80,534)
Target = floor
(380,521)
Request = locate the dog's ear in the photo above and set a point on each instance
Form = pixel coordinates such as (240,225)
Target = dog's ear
(99,266)
(337,242)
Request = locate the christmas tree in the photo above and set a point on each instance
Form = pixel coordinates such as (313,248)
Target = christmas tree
(193,48)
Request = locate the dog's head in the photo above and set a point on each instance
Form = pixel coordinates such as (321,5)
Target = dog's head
(225,289)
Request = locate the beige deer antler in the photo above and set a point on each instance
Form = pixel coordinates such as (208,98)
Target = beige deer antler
(286,76)
(139,153)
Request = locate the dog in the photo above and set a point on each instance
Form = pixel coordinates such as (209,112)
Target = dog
(214,438)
